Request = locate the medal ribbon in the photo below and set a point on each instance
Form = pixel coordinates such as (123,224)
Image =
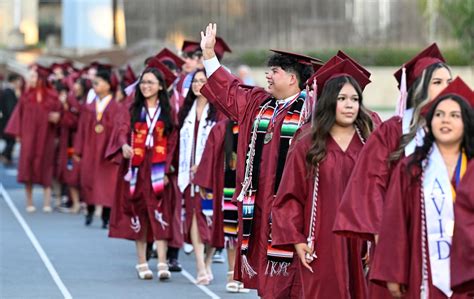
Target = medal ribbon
(100,106)
(279,110)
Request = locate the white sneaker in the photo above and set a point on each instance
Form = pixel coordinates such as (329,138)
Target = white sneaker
(188,248)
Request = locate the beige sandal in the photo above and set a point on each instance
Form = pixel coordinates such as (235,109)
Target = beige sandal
(163,271)
(203,279)
(144,274)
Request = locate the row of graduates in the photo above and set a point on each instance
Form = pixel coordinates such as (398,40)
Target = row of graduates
(47,119)
(89,124)
(322,180)
(304,172)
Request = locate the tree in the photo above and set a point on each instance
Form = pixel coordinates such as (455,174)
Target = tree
(460,16)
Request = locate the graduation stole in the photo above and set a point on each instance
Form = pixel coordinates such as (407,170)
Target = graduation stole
(207,195)
(260,132)
(230,209)
(437,202)
(148,133)
(188,153)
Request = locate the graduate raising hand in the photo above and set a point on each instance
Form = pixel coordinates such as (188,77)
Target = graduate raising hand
(208,41)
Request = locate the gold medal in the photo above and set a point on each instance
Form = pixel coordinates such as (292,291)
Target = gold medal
(268,137)
(99,128)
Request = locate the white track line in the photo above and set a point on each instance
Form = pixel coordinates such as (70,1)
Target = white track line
(36,244)
(203,288)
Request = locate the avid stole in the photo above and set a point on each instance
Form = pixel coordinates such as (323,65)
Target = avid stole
(278,260)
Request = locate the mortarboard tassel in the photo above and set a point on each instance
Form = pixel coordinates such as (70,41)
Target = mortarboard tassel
(315,100)
(129,89)
(402,100)
(128,175)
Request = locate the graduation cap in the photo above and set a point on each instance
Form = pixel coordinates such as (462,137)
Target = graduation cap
(412,69)
(42,71)
(415,66)
(456,87)
(164,70)
(167,54)
(221,47)
(129,76)
(100,66)
(109,76)
(343,68)
(56,65)
(316,63)
(330,63)
(190,46)
(343,55)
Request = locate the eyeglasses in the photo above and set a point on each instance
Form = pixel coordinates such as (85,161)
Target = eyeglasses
(148,82)
(202,81)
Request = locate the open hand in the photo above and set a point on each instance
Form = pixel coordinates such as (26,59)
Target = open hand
(127,151)
(303,250)
(208,41)
(397,290)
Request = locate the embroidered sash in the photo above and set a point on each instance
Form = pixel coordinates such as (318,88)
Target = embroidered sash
(291,123)
(230,209)
(438,196)
(159,147)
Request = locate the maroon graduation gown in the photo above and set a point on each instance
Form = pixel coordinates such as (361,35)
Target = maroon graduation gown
(192,206)
(68,173)
(98,175)
(398,254)
(361,209)
(241,103)
(210,175)
(338,270)
(30,123)
(144,201)
(462,250)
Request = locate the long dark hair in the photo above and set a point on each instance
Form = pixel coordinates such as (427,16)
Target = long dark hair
(324,118)
(417,98)
(189,101)
(467,114)
(163,101)
(84,86)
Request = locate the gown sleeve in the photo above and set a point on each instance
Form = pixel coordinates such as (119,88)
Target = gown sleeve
(288,225)
(392,257)
(361,208)
(462,257)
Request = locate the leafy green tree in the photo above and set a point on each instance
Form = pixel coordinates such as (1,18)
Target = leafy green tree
(460,16)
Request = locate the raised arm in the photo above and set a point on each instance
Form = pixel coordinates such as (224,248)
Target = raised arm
(224,89)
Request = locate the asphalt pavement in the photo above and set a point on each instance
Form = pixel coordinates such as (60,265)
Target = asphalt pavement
(56,256)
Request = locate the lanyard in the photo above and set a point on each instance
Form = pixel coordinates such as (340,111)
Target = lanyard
(277,111)
(100,106)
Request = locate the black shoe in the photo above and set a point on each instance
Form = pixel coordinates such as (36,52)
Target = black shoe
(105,224)
(89,218)
(174,265)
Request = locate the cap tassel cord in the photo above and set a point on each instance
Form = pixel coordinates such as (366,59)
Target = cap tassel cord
(402,100)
